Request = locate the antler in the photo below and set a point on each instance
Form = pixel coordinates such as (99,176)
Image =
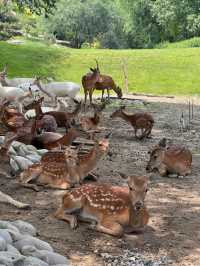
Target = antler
(97,64)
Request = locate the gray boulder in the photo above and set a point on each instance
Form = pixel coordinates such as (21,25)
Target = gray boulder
(25,228)
(9,258)
(32,241)
(31,261)
(6,236)
(3,244)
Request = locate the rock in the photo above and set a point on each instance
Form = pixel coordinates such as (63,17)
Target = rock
(22,162)
(8,225)
(25,228)
(10,258)
(42,151)
(15,167)
(12,151)
(16,145)
(31,149)
(32,241)
(49,257)
(6,236)
(31,261)
(3,244)
(34,158)
(12,249)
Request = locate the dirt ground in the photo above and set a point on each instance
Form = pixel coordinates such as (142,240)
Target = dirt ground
(174,204)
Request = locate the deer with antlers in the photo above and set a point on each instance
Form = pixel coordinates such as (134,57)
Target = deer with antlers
(89,80)
(63,169)
(172,159)
(142,121)
(113,208)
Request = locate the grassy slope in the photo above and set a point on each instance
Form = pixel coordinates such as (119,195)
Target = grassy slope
(158,71)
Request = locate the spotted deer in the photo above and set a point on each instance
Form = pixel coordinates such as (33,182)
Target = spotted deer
(113,208)
(92,122)
(142,121)
(172,159)
(63,169)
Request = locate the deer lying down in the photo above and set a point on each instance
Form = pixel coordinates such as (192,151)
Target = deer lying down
(113,208)
(63,169)
(142,121)
(172,159)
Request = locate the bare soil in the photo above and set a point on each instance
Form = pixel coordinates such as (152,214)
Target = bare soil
(174,204)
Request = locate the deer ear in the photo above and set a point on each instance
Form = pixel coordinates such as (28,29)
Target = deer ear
(163,143)
(93,70)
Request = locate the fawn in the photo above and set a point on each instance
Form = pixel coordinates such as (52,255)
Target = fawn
(113,208)
(142,121)
(172,159)
(63,169)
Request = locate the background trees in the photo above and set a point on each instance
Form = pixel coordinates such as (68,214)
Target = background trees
(115,23)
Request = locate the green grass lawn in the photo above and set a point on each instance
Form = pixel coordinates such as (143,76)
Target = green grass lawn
(157,71)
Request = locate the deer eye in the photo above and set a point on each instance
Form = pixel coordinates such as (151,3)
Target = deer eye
(146,190)
(132,188)
(155,156)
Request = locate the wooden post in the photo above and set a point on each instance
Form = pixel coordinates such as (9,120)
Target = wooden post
(124,68)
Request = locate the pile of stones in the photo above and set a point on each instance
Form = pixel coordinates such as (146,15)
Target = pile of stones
(19,246)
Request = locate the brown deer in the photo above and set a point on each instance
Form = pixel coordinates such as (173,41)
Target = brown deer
(107,83)
(63,119)
(63,169)
(142,121)
(91,123)
(48,140)
(89,80)
(172,159)
(113,208)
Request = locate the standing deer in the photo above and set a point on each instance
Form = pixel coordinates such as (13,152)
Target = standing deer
(172,159)
(89,80)
(107,83)
(142,121)
(113,208)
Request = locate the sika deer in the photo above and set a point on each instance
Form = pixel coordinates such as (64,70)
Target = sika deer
(113,208)
(142,121)
(48,140)
(91,123)
(63,119)
(63,169)
(89,80)
(172,159)
(107,83)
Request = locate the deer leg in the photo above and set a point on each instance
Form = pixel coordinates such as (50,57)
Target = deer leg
(108,92)
(7,199)
(102,94)
(90,95)
(108,227)
(70,218)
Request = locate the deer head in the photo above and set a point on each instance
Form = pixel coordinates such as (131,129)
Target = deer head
(118,112)
(138,187)
(33,104)
(118,90)
(156,156)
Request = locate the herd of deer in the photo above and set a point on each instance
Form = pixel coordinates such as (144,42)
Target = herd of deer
(114,209)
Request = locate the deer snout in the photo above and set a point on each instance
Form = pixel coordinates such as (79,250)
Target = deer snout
(138,205)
